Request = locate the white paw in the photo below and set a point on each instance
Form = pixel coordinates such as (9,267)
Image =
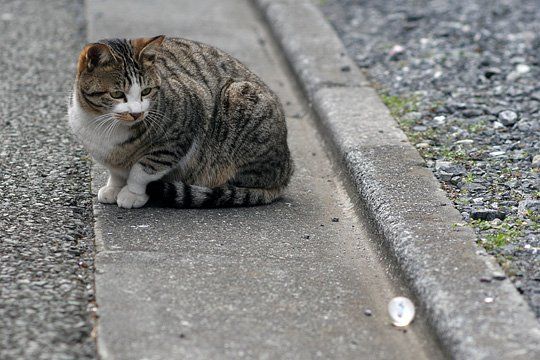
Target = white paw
(108,194)
(128,200)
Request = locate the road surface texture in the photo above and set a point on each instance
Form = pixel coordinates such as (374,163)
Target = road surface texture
(289,280)
(46,233)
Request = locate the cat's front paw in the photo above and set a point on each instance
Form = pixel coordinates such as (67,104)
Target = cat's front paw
(108,194)
(128,200)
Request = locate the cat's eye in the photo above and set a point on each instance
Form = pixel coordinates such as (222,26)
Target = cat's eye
(117,94)
(146,91)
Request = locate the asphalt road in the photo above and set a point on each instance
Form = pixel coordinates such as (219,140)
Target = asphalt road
(46,237)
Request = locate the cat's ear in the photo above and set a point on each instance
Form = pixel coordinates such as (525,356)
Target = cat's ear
(94,55)
(144,48)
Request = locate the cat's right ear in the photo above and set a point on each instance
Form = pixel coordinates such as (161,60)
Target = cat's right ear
(94,55)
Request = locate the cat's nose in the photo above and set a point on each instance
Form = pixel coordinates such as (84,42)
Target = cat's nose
(135,116)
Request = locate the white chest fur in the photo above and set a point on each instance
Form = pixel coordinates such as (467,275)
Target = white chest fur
(98,135)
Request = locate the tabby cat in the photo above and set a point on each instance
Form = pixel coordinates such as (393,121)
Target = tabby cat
(180,123)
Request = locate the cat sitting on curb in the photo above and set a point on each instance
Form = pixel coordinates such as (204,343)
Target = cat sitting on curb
(178,122)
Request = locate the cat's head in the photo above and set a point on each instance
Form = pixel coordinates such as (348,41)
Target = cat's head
(118,77)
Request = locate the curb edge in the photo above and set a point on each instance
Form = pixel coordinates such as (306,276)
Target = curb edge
(390,176)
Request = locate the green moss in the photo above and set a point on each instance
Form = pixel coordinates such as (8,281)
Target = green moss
(428,153)
(436,104)
(418,137)
(469,178)
(400,105)
(406,123)
(452,155)
(534,218)
(493,241)
(476,128)
(494,236)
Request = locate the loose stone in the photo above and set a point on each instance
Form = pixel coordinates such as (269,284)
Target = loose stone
(508,117)
(450,168)
(498,275)
(487,214)
(523,68)
(536,161)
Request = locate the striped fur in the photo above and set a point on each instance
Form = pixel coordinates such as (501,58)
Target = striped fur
(205,132)
(180,195)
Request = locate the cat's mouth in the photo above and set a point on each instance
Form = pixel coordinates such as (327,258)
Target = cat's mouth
(130,118)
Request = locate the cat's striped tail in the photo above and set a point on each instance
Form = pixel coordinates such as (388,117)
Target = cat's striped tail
(180,195)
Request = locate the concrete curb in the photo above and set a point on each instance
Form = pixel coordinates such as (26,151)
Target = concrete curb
(473,319)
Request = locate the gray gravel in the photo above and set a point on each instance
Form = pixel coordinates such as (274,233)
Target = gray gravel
(461,77)
(46,239)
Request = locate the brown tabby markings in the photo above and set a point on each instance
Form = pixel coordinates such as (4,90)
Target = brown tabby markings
(214,130)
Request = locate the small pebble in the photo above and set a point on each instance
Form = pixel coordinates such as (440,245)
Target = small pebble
(439,119)
(498,125)
(488,300)
(396,51)
(536,161)
(508,117)
(401,311)
(335,219)
(487,214)
(367,312)
(523,68)
(497,275)
(489,72)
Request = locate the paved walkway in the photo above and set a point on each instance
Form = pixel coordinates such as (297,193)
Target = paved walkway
(281,281)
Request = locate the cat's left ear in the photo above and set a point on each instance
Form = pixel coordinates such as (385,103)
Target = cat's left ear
(94,55)
(144,48)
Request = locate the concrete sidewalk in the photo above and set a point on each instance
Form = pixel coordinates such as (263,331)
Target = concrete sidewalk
(281,281)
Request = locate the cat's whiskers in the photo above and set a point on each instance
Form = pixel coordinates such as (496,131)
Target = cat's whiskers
(159,114)
(102,121)
(107,125)
(110,130)
(155,116)
(156,126)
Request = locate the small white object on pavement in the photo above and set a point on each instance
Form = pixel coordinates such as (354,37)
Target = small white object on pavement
(401,311)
